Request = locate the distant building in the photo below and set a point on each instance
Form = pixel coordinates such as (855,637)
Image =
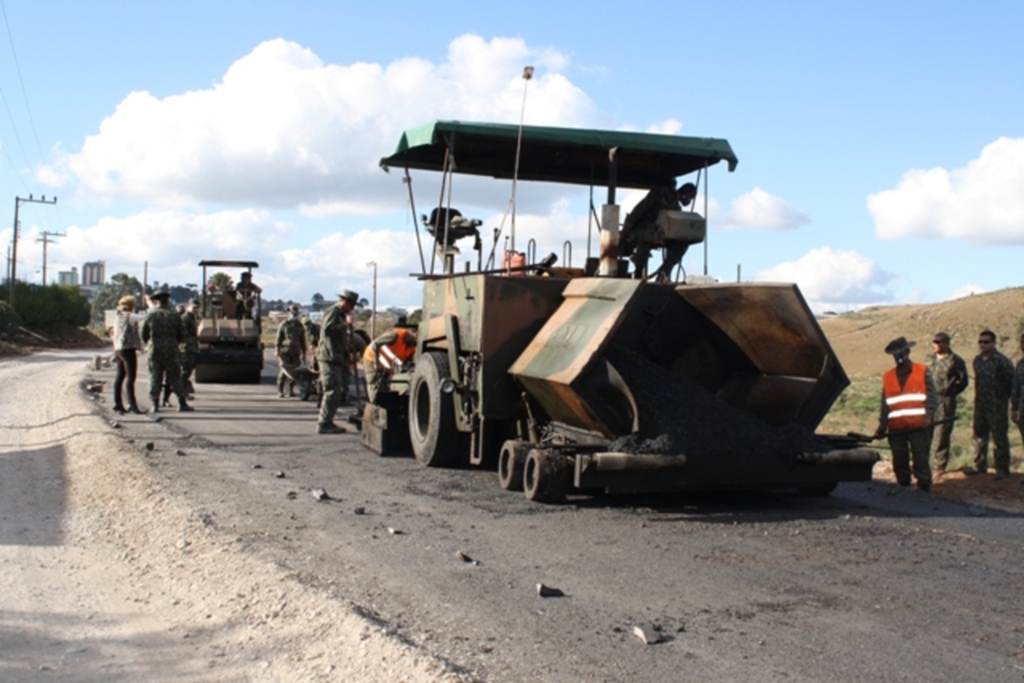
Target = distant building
(94,273)
(68,277)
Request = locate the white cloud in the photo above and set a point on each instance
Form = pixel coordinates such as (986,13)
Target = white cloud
(966,290)
(835,279)
(284,129)
(171,242)
(981,203)
(666,127)
(758,210)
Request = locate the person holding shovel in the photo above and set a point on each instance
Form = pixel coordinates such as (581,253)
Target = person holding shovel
(909,400)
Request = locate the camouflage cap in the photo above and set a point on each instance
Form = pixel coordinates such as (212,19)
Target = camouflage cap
(294,308)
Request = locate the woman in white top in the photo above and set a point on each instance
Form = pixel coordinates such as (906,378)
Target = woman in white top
(126,343)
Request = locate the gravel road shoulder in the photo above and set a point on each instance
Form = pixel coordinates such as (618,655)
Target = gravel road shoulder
(106,577)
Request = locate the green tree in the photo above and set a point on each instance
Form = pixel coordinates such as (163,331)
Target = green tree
(121,284)
(9,321)
(222,281)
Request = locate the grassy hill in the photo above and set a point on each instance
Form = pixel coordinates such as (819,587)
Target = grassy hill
(859,339)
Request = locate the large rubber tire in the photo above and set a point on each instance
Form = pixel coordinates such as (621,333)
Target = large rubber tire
(545,476)
(511,460)
(436,442)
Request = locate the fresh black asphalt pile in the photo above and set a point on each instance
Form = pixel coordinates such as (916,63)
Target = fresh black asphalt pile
(680,417)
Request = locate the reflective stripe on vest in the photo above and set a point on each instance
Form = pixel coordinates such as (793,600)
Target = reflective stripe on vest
(907,404)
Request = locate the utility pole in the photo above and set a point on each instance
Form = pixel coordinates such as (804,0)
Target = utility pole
(45,239)
(373,311)
(18,201)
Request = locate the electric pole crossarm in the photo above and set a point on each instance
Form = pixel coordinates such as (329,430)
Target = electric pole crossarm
(45,239)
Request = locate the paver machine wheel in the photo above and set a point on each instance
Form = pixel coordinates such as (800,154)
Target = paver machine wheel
(511,461)
(546,475)
(436,442)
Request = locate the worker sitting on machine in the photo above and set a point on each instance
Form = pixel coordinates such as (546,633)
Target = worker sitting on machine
(246,296)
(387,354)
(457,227)
(640,231)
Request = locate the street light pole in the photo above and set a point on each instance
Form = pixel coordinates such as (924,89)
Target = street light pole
(373,312)
(18,201)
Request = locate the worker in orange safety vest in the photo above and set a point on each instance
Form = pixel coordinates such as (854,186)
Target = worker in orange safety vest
(387,354)
(909,400)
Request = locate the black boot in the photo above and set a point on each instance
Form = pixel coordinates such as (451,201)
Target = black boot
(183,406)
(119,407)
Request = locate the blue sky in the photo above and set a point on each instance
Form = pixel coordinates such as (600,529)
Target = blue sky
(881,145)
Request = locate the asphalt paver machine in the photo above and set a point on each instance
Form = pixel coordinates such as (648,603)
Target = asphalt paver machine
(598,378)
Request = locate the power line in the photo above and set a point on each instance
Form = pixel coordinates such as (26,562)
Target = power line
(24,92)
(17,136)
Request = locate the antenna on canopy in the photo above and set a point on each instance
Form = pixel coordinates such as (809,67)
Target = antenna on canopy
(527,76)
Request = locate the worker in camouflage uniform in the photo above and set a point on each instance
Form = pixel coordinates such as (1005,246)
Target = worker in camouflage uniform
(164,331)
(332,353)
(290,350)
(247,295)
(1017,393)
(187,351)
(312,338)
(640,230)
(386,354)
(950,374)
(190,347)
(993,384)
(909,400)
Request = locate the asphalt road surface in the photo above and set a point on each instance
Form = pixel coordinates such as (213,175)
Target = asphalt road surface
(873,583)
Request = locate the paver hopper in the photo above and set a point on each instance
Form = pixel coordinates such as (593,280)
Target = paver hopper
(755,348)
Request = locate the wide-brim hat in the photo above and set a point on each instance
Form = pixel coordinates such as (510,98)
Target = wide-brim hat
(349,295)
(897,345)
(162,294)
(295,308)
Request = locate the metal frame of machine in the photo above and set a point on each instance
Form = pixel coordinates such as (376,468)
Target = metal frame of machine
(511,368)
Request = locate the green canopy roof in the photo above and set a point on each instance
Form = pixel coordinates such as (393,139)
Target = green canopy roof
(564,155)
